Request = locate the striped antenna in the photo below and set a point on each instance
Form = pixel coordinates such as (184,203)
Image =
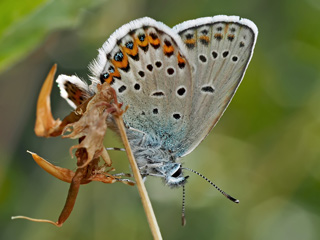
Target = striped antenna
(220,190)
(183,216)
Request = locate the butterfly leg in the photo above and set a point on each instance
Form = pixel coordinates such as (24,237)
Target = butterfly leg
(116,149)
(151,165)
(139,131)
(153,175)
(122,174)
(126,181)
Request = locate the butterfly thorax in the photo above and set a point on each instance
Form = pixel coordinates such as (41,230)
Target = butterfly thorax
(154,159)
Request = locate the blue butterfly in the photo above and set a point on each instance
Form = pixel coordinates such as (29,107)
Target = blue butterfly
(176,81)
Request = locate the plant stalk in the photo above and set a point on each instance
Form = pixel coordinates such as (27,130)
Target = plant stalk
(141,188)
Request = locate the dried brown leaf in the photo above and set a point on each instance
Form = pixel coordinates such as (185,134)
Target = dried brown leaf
(91,127)
(45,123)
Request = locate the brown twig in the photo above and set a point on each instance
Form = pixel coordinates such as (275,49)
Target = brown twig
(141,188)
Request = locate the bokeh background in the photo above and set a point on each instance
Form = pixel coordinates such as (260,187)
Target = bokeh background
(264,151)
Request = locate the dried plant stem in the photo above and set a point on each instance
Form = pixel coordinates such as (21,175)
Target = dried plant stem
(141,188)
(36,220)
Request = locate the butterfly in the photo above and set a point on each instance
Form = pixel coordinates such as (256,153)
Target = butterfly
(176,81)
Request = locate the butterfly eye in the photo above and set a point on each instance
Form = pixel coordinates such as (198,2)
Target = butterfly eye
(177,173)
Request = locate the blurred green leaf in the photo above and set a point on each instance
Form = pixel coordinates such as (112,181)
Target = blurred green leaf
(13,11)
(26,24)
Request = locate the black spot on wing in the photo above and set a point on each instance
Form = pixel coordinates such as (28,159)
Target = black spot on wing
(170,71)
(225,54)
(122,89)
(158,94)
(181,91)
(150,67)
(207,89)
(214,54)
(141,74)
(134,57)
(176,116)
(137,86)
(158,64)
(202,58)
(126,69)
(189,36)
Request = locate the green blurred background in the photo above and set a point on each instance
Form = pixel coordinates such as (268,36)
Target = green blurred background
(264,151)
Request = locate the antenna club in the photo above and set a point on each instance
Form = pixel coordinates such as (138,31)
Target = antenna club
(184,220)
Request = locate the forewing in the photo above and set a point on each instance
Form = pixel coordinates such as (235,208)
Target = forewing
(219,49)
(144,61)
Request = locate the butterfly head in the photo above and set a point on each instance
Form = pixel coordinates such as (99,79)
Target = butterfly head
(174,175)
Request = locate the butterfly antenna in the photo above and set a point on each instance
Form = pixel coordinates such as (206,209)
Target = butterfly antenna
(183,216)
(220,190)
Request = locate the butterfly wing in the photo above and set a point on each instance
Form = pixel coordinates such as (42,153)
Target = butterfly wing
(219,49)
(73,89)
(144,61)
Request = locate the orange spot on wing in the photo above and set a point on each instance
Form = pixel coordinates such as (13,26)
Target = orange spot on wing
(190,41)
(168,49)
(205,38)
(133,51)
(154,41)
(123,63)
(143,43)
(181,60)
(218,36)
(116,73)
(109,79)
